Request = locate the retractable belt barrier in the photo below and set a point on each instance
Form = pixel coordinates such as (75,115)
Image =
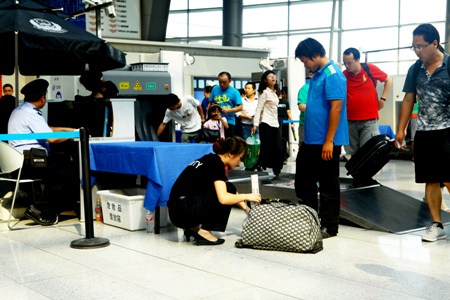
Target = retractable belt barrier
(90,241)
(40,136)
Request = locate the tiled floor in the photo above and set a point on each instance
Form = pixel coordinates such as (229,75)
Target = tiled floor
(38,263)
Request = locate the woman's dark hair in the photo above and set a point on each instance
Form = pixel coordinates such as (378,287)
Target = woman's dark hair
(263,82)
(233,145)
(354,51)
(429,33)
(309,48)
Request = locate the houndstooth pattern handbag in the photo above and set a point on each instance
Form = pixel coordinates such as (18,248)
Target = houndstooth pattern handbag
(282,226)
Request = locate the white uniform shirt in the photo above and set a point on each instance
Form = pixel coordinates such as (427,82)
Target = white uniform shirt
(27,118)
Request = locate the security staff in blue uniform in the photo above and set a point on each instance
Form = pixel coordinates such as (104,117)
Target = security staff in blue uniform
(27,118)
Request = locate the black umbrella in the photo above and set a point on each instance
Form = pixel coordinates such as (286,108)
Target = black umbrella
(39,41)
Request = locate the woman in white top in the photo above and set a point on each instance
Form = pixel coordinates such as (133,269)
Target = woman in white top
(266,119)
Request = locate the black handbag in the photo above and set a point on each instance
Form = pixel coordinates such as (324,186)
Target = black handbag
(210,135)
(35,158)
(281,226)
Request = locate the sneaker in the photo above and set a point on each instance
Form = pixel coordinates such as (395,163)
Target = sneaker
(434,233)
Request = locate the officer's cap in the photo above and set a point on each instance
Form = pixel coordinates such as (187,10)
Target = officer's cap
(35,88)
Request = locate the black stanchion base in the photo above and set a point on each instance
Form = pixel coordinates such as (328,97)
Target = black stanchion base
(86,243)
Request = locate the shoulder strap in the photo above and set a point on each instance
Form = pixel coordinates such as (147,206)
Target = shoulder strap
(448,67)
(366,68)
(416,69)
(417,66)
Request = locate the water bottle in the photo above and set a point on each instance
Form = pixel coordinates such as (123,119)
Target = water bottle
(149,222)
(98,210)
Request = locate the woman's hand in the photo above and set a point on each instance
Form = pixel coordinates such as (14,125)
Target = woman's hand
(254,129)
(254,198)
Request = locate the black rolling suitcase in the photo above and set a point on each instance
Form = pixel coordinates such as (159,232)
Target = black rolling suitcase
(371,157)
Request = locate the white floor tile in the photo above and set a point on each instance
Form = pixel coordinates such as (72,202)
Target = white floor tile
(38,262)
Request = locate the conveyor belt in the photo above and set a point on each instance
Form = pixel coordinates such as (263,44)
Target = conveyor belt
(376,207)
(244,176)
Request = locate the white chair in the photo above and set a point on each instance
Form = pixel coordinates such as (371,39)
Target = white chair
(12,160)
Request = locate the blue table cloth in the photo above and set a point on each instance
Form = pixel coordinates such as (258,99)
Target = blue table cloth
(386,129)
(161,162)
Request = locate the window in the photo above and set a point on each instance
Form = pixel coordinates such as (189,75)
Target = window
(195,4)
(279,25)
(264,19)
(357,14)
(205,24)
(305,15)
(177,25)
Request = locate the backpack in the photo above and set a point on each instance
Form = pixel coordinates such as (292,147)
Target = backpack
(367,69)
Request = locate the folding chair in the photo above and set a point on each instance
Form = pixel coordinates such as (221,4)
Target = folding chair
(12,160)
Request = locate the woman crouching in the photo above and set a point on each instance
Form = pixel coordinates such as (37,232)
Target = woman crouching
(201,197)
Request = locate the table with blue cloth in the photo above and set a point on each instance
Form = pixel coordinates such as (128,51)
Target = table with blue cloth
(386,129)
(160,162)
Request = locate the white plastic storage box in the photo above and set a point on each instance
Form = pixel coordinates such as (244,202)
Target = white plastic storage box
(124,208)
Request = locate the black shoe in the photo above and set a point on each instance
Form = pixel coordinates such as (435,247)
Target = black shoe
(326,234)
(36,215)
(276,172)
(276,178)
(188,233)
(201,241)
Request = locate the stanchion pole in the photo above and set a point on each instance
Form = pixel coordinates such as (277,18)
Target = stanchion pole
(89,241)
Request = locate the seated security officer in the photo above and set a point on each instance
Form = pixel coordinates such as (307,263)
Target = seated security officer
(27,118)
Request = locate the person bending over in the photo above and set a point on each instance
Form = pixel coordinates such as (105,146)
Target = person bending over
(201,197)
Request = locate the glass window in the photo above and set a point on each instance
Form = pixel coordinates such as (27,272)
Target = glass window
(382,38)
(388,68)
(252,2)
(194,4)
(205,23)
(178,4)
(416,11)
(366,25)
(369,13)
(264,19)
(276,44)
(305,15)
(176,25)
